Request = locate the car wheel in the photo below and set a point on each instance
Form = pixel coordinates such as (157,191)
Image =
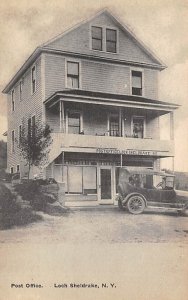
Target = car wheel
(136,204)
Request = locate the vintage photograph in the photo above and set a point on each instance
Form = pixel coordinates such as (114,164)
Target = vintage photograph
(93,150)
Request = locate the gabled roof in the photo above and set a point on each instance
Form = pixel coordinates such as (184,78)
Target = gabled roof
(46,48)
(120,24)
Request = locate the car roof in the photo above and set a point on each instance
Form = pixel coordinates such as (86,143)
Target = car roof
(145,171)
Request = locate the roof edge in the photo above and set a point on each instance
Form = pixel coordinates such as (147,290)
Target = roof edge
(19,73)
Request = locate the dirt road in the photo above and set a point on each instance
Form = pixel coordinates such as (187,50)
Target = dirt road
(127,257)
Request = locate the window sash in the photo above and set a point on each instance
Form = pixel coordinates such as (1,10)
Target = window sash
(96,38)
(74,122)
(13,140)
(33,79)
(138,127)
(111,35)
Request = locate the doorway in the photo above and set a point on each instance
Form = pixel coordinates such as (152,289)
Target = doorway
(105,185)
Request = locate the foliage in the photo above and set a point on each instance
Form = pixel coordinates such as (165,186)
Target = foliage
(33,143)
(5,176)
(11,213)
(32,191)
(3,154)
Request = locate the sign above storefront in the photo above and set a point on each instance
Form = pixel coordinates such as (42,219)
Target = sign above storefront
(126,152)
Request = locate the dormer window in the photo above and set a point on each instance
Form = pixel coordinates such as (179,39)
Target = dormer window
(137,83)
(96,38)
(111,40)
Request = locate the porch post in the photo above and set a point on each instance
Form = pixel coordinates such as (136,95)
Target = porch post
(62,165)
(60,116)
(121,162)
(172,125)
(120,122)
(63,115)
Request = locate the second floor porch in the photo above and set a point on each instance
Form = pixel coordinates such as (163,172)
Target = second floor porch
(80,115)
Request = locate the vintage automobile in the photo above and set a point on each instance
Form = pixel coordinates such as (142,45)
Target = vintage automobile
(139,188)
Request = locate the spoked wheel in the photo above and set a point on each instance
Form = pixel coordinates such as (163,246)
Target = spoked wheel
(136,204)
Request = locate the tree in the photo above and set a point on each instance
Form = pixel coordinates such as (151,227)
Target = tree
(34,141)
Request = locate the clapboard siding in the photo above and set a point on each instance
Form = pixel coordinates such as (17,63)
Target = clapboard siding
(78,40)
(97,76)
(30,104)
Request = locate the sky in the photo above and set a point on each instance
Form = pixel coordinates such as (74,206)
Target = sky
(161,25)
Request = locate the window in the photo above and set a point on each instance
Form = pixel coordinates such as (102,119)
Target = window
(12,140)
(11,170)
(114,125)
(13,100)
(72,75)
(31,126)
(137,83)
(18,169)
(74,122)
(20,89)
(138,127)
(33,79)
(111,40)
(20,132)
(96,33)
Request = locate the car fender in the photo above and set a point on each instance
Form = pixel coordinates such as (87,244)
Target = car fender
(124,201)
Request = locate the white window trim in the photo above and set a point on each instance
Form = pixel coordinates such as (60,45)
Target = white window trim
(21,93)
(12,169)
(103,38)
(67,118)
(13,92)
(80,73)
(143,81)
(33,66)
(140,117)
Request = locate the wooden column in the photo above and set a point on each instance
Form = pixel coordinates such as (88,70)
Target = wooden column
(60,116)
(120,122)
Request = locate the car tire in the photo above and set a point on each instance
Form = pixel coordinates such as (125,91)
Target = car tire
(136,204)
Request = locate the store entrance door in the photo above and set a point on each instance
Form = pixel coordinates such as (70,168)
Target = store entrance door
(105,185)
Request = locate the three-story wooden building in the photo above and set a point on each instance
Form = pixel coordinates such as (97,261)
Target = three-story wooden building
(96,85)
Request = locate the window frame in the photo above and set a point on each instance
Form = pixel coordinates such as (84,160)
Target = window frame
(80,120)
(102,38)
(21,89)
(104,29)
(144,124)
(11,170)
(116,42)
(13,141)
(79,73)
(142,81)
(13,100)
(33,79)
(18,169)
(19,133)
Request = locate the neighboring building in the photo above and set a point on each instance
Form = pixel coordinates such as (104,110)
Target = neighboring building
(96,85)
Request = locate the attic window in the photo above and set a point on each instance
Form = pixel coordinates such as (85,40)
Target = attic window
(111,40)
(96,38)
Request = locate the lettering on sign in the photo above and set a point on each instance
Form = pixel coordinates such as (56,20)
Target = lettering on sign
(126,152)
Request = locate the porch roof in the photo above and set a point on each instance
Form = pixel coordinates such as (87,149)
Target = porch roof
(109,99)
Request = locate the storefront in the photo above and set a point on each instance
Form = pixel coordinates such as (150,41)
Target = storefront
(93,177)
